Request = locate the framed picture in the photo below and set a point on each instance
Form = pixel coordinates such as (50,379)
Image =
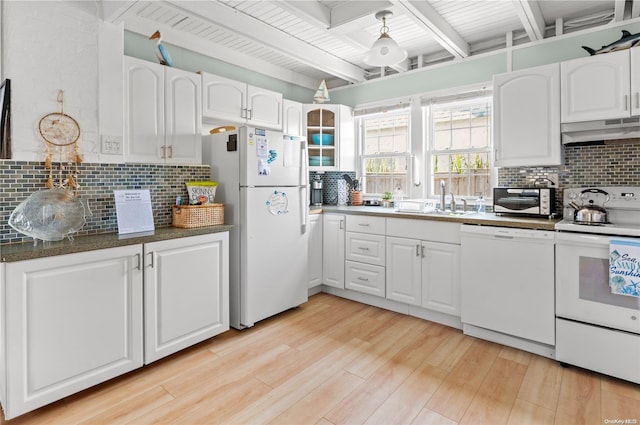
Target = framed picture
(5,120)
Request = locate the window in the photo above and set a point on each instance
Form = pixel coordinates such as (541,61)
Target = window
(385,151)
(460,146)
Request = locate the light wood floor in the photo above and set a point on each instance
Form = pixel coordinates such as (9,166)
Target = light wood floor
(334,361)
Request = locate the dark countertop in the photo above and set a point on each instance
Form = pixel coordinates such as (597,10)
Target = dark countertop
(27,251)
(488,219)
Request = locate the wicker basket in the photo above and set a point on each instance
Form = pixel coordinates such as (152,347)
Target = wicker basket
(188,216)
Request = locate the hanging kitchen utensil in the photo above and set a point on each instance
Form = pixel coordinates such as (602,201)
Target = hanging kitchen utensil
(61,133)
(591,213)
(349,180)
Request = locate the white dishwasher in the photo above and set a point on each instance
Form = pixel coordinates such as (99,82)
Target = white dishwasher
(508,282)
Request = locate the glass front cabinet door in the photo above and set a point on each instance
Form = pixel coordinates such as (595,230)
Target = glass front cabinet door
(322,138)
(330,136)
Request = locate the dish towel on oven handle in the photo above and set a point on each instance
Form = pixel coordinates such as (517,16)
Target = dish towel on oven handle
(624,267)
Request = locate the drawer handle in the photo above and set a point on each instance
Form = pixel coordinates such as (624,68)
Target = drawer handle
(363,224)
(364,279)
(364,248)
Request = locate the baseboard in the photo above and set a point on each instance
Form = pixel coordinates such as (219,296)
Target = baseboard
(510,341)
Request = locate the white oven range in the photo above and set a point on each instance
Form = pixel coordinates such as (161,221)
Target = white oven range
(596,328)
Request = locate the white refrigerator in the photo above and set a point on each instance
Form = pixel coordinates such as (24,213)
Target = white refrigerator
(262,182)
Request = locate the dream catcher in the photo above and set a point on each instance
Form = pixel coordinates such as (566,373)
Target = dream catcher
(61,133)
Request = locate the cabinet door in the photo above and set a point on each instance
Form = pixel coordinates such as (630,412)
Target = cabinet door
(441,277)
(596,88)
(223,99)
(321,124)
(345,133)
(144,111)
(635,81)
(292,116)
(264,108)
(72,321)
(404,270)
(183,117)
(186,292)
(315,250)
(333,236)
(526,118)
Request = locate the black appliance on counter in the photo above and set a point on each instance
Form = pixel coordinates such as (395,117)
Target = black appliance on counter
(316,191)
(528,201)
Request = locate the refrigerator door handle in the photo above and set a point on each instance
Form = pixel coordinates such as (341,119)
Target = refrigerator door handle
(304,153)
(304,207)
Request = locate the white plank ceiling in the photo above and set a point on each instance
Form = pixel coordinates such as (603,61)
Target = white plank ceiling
(306,41)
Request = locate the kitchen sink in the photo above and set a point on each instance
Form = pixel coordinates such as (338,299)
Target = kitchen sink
(452,213)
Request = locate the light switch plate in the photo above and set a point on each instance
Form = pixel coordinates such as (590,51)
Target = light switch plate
(111,145)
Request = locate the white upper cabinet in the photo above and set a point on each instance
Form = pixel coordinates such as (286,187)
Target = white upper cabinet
(293,118)
(599,87)
(526,118)
(227,100)
(331,137)
(163,114)
(635,81)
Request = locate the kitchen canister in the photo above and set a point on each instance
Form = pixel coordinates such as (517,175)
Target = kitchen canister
(343,193)
(356,198)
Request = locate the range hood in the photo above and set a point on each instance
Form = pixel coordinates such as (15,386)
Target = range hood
(597,131)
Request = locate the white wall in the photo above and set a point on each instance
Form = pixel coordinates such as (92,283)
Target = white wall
(49,46)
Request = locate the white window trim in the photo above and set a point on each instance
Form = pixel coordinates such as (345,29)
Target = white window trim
(398,108)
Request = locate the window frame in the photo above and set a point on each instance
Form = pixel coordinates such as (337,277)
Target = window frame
(363,158)
(430,151)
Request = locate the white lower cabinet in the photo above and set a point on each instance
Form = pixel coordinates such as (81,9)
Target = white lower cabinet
(441,277)
(404,270)
(73,321)
(365,278)
(365,255)
(333,237)
(70,322)
(315,250)
(186,292)
(424,272)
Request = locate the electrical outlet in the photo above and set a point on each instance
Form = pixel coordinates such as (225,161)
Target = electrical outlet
(554,178)
(111,145)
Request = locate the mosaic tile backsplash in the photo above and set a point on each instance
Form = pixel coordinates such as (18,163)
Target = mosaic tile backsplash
(612,164)
(20,179)
(330,184)
(609,164)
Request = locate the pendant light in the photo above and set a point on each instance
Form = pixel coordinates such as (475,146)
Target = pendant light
(385,51)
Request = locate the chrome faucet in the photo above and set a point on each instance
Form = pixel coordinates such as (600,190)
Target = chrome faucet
(442,202)
(464,204)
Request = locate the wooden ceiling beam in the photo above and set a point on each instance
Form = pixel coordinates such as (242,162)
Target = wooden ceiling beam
(531,17)
(424,15)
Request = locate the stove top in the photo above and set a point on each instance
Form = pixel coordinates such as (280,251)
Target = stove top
(621,202)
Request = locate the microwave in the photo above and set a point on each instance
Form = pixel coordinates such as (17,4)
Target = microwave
(529,201)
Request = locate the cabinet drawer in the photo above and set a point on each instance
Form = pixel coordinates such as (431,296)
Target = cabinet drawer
(365,278)
(366,248)
(366,224)
(426,230)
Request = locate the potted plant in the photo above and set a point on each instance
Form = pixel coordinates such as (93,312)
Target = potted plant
(386,200)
